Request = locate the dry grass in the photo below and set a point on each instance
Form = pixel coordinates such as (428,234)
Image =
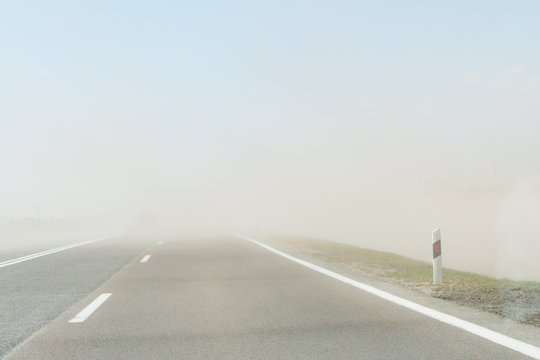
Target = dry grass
(519,300)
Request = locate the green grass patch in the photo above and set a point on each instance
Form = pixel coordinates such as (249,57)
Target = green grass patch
(396,267)
(518,300)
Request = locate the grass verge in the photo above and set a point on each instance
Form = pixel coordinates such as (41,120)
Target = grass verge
(518,300)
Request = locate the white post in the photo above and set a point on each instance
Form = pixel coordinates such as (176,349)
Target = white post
(437,257)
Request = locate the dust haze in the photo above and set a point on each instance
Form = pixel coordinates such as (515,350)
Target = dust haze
(344,188)
(296,131)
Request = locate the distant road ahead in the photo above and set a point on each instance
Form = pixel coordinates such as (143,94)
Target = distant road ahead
(229,299)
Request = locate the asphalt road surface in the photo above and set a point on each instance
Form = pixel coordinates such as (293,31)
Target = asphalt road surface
(36,291)
(208,299)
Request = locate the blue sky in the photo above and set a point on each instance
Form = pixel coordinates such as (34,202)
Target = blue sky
(183,90)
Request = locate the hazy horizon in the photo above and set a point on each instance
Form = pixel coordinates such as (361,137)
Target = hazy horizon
(366,123)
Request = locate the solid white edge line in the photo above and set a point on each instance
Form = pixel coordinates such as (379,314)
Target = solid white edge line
(511,343)
(87,311)
(52,251)
(145,259)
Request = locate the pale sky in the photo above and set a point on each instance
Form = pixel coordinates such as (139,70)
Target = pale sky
(109,102)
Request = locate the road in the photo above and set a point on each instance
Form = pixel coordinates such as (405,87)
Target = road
(35,292)
(215,299)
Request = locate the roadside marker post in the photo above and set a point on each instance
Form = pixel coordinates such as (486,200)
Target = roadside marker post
(437,257)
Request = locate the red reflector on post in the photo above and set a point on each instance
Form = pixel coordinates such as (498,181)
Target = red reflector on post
(437,248)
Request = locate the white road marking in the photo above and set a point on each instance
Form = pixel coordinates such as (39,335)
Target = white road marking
(87,311)
(511,343)
(145,259)
(52,251)
(159,243)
